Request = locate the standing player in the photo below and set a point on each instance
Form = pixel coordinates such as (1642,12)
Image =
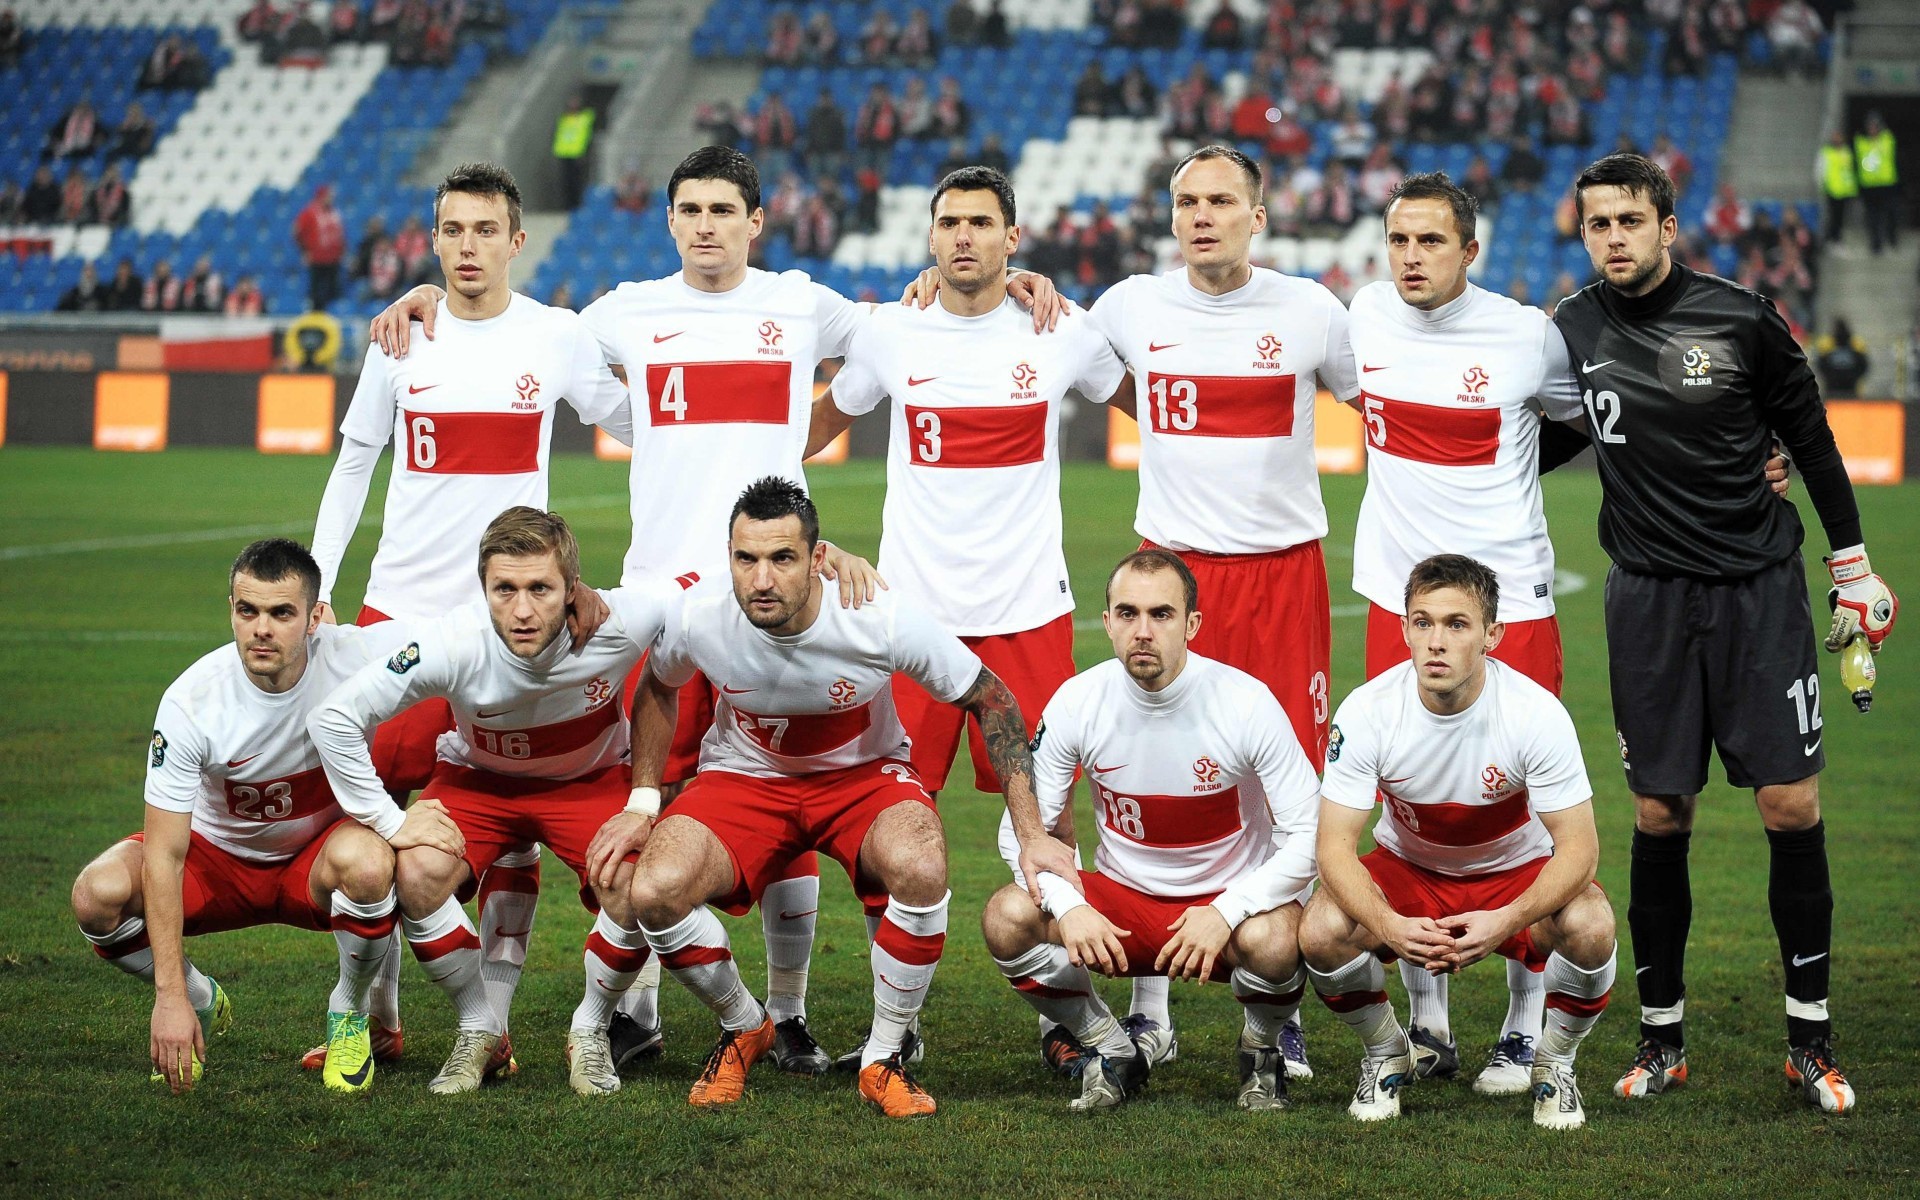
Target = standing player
(470,417)
(242,828)
(806,753)
(538,753)
(1206,807)
(1485,843)
(1685,377)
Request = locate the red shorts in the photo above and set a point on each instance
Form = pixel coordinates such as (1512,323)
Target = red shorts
(498,813)
(1414,891)
(219,890)
(1033,664)
(404,747)
(1148,920)
(1269,615)
(695,717)
(767,823)
(1529,647)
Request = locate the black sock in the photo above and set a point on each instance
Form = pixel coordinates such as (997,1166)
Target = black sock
(1659,913)
(1800,894)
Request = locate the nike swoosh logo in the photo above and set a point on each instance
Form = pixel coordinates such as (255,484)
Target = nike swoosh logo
(241,762)
(1644,970)
(912,382)
(359,1077)
(1104,770)
(509,934)
(1590,367)
(665,337)
(795,916)
(1155,348)
(415,391)
(1808,750)
(735,691)
(486,715)
(1367,368)
(1402,779)
(896,987)
(1801,962)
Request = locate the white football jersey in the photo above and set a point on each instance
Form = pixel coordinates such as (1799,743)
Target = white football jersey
(817,701)
(1459,794)
(556,716)
(1198,788)
(470,415)
(971,525)
(1224,389)
(1453,402)
(722,395)
(239,759)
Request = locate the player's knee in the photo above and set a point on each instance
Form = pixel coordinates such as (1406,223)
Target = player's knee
(1267,944)
(100,895)
(424,878)
(1323,940)
(661,894)
(1663,816)
(363,865)
(1011,923)
(1587,929)
(1789,807)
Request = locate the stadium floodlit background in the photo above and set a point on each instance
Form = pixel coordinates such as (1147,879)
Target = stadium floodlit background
(212,124)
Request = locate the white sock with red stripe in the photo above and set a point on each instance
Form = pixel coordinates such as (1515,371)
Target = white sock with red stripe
(1150,998)
(789,909)
(642,1001)
(1357,994)
(1575,999)
(614,956)
(905,951)
(1427,1000)
(449,952)
(1266,1004)
(509,896)
(1526,997)
(1063,994)
(700,957)
(127,947)
(364,934)
(383,998)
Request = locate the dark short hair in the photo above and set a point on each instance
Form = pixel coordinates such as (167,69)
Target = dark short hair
(526,532)
(271,560)
(718,162)
(976,179)
(1152,561)
(1638,174)
(770,498)
(481,179)
(1470,575)
(1437,185)
(1248,167)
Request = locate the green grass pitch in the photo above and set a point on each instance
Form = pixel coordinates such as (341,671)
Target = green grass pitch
(112,581)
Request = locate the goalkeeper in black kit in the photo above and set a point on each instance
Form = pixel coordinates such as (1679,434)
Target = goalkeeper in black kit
(1686,379)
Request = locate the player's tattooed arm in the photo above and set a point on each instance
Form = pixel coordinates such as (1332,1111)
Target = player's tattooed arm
(1004,731)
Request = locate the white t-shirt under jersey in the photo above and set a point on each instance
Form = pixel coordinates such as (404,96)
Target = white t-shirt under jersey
(470,415)
(819,700)
(239,759)
(1224,390)
(1460,793)
(971,526)
(722,395)
(1452,402)
(555,716)
(1198,788)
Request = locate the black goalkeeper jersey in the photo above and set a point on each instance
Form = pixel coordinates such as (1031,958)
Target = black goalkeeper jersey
(1685,389)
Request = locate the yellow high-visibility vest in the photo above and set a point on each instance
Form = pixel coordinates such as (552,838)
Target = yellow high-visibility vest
(572,133)
(1873,159)
(1836,172)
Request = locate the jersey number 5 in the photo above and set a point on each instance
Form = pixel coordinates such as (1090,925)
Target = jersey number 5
(1604,408)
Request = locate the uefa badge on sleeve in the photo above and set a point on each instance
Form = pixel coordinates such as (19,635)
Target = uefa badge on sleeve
(405,660)
(1039,731)
(1334,738)
(159,756)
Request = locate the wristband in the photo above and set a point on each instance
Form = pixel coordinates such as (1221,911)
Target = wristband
(1849,565)
(643,802)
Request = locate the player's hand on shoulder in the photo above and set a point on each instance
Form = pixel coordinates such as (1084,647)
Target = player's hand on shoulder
(1035,293)
(178,1042)
(1199,937)
(587,611)
(392,329)
(925,286)
(624,833)
(428,824)
(859,582)
(1861,601)
(1092,941)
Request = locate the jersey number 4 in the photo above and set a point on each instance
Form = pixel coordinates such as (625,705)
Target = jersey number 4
(1604,408)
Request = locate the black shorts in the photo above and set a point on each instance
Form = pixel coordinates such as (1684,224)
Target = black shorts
(1724,664)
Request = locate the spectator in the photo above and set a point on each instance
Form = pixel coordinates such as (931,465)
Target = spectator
(1286,207)
(1162,23)
(1874,164)
(1194,107)
(245,299)
(386,273)
(1523,169)
(133,137)
(175,64)
(572,135)
(322,238)
(383,20)
(1840,357)
(876,127)
(1838,184)
(125,289)
(343,22)
(632,194)
(1379,175)
(1674,161)
(785,43)
(88,295)
(956,158)
(785,203)
(12,201)
(1687,47)
(963,23)
(1793,228)
(1795,32)
(13,41)
(866,201)
(1136,96)
(110,201)
(1223,31)
(993,154)
(817,231)
(1333,206)
(1727,216)
(261,25)
(203,290)
(775,133)
(822,44)
(415,248)
(1790,278)
(561,296)
(1564,285)
(163,290)
(1092,92)
(994,30)
(1480,183)
(877,38)
(1622,45)
(40,203)
(1353,138)
(1125,24)
(77,134)
(1727,26)
(1337,280)
(826,137)
(1567,123)
(410,33)
(720,123)
(1287,137)
(371,235)
(916,110)
(76,199)
(917,45)
(951,115)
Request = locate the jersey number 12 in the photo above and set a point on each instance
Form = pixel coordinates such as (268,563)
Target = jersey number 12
(1604,408)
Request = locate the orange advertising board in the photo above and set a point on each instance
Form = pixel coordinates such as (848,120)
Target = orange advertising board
(295,414)
(1872,435)
(130,410)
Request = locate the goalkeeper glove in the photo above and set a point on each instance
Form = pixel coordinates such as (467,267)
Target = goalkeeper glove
(1861,600)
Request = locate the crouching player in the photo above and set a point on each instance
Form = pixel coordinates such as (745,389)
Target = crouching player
(1206,809)
(242,828)
(538,753)
(1485,843)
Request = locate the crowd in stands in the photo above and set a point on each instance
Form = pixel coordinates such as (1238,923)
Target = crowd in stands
(420,32)
(883,41)
(165,291)
(61,191)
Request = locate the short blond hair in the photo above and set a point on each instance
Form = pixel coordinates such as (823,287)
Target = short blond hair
(524,532)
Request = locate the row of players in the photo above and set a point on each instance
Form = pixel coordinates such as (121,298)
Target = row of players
(1227,473)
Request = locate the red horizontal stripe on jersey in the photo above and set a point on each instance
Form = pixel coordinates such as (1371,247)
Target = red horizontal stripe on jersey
(913,949)
(1009,435)
(1046,991)
(288,799)
(1169,821)
(1579,1006)
(467,443)
(1459,824)
(694,956)
(617,957)
(544,741)
(806,734)
(370,928)
(716,393)
(1231,406)
(1433,433)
